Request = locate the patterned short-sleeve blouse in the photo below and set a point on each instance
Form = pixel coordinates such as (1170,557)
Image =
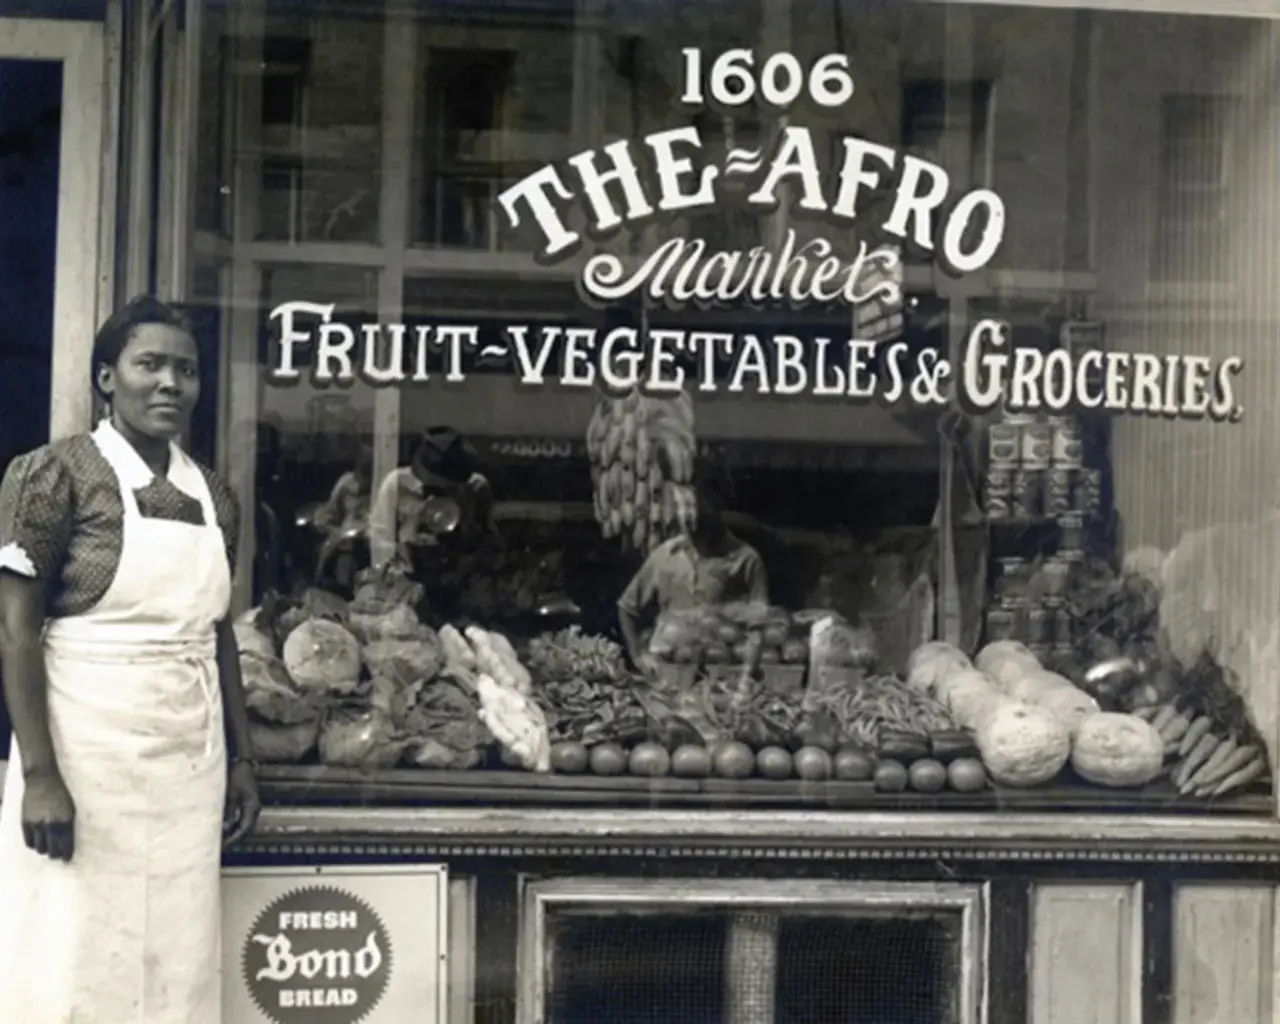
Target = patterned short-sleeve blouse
(61,520)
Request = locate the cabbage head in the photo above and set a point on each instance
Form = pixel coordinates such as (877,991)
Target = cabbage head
(361,739)
(322,655)
(283,744)
(403,661)
(270,694)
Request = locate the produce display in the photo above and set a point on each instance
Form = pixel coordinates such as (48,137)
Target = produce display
(642,450)
(732,634)
(1205,732)
(766,696)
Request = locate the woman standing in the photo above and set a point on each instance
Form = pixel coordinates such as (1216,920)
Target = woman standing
(122,680)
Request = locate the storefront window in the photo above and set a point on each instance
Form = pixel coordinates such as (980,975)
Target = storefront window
(1123,551)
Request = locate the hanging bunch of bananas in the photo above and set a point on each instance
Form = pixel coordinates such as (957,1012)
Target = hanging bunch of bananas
(642,451)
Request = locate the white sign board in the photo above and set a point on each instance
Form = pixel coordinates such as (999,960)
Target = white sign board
(335,945)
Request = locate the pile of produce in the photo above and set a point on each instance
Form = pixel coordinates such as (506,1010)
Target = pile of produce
(1112,615)
(727,634)
(732,723)
(1209,744)
(734,759)
(369,685)
(1028,723)
(1213,747)
(642,450)
(585,689)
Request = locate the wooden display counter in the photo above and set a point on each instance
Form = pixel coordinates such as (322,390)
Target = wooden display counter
(1137,918)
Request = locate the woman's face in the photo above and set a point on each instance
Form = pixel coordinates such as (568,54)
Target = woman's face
(155,384)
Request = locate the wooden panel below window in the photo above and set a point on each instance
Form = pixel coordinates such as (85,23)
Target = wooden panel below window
(1224,954)
(1086,953)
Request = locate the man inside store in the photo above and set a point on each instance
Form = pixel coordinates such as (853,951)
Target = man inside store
(438,501)
(706,565)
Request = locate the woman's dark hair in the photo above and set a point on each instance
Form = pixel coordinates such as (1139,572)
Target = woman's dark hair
(115,333)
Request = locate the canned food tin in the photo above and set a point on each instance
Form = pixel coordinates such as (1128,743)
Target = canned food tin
(1062,628)
(1072,543)
(1028,494)
(998,487)
(1068,447)
(1000,479)
(1003,443)
(1056,571)
(1039,625)
(1057,492)
(1002,624)
(1037,446)
(1088,492)
(1014,581)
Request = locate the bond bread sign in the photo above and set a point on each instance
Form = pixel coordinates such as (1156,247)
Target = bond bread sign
(318,953)
(334,946)
(852,212)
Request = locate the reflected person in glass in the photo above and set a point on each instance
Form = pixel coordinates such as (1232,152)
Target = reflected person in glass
(704,565)
(405,519)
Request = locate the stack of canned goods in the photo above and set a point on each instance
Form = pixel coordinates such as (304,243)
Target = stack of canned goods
(1030,606)
(1035,470)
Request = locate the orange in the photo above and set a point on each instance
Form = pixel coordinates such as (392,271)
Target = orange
(852,765)
(734,760)
(967,775)
(691,761)
(813,764)
(927,776)
(569,757)
(608,759)
(890,777)
(649,759)
(774,763)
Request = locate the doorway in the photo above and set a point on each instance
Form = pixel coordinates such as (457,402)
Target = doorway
(52,285)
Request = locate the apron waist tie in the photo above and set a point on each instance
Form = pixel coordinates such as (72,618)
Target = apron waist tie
(198,654)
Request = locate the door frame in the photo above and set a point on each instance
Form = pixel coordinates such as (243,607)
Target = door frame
(82,280)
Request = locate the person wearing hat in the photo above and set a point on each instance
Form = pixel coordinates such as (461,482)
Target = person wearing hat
(401,520)
(707,565)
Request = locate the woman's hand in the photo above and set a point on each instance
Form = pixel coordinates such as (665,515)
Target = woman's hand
(243,803)
(48,816)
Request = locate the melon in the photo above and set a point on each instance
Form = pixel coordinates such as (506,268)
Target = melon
(970,697)
(1117,750)
(1069,705)
(1022,744)
(1006,661)
(929,664)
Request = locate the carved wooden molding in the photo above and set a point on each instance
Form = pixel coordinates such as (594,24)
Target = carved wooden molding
(467,832)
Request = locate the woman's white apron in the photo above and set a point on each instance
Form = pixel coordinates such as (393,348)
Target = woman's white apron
(128,931)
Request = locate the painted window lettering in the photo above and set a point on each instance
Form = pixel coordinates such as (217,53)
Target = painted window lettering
(781,76)
(922,192)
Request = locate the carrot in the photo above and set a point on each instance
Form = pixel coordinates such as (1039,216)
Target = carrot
(1193,735)
(1233,762)
(1163,717)
(1243,777)
(1175,728)
(1202,753)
